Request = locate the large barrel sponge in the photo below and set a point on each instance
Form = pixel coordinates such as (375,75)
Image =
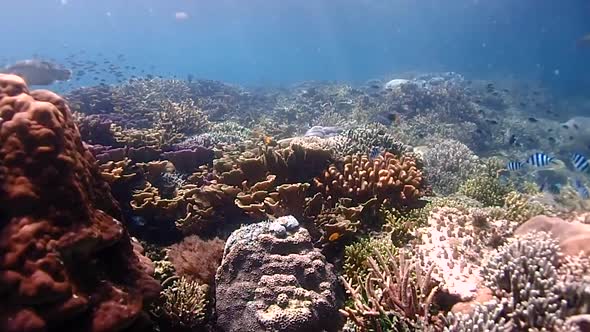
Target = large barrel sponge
(66,263)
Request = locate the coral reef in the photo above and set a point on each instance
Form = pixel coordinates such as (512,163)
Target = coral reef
(185,303)
(449,163)
(393,181)
(197,259)
(372,173)
(390,298)
(454,243)
(271,278)
(487,187)
(66,259)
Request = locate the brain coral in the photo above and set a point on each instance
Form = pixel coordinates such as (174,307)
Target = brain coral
(64,259)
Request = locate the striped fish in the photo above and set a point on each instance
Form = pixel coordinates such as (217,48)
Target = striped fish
(581,189)
(375,152)
(580,162)
(514,165)
(539,159)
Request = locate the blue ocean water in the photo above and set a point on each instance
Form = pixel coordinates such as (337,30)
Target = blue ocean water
(259,42)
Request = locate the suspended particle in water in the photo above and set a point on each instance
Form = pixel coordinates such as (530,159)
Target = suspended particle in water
(181,16)
(556,72)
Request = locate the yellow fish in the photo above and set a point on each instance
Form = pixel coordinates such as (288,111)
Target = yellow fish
(333,237)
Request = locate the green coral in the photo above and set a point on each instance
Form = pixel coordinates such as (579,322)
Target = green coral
(520,207)
(163,268)
(487,187)
(185,303)
(400,224)
(355,266)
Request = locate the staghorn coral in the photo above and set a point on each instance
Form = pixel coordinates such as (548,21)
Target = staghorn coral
(397,295)
(448,163)
(184,303)
(65,259)
(197,259)
(393,181)
(355,267)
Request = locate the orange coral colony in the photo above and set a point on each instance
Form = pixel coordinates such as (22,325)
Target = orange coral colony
(392,180)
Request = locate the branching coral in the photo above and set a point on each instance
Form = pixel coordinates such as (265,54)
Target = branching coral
(448,163)
(525,273)
(487,187)
(454,241)
(363,139)
(393,181)
(400,225)
(484,318)
(391,296)
(185,303)
(521,207)
(183,118)
(355,266)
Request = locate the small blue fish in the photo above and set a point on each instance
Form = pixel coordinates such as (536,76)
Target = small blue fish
(580,162)
(581,189)
(514,165)
(375,152)
(138,220)
(539,159)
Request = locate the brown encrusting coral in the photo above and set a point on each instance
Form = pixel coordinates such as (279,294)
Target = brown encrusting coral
(66,262)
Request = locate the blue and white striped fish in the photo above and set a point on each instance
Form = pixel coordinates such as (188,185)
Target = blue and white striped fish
(580,162)
(581,188)
(514,165)
(375,152)
(539,159)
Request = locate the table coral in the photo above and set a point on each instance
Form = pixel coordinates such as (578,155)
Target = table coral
(63,255)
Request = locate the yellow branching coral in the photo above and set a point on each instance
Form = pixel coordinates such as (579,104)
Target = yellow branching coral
(185,303)
(521,207)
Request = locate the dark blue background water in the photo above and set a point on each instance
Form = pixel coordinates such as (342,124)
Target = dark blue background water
(270,41)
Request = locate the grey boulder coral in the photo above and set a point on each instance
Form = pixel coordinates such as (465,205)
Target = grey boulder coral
(271,278)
